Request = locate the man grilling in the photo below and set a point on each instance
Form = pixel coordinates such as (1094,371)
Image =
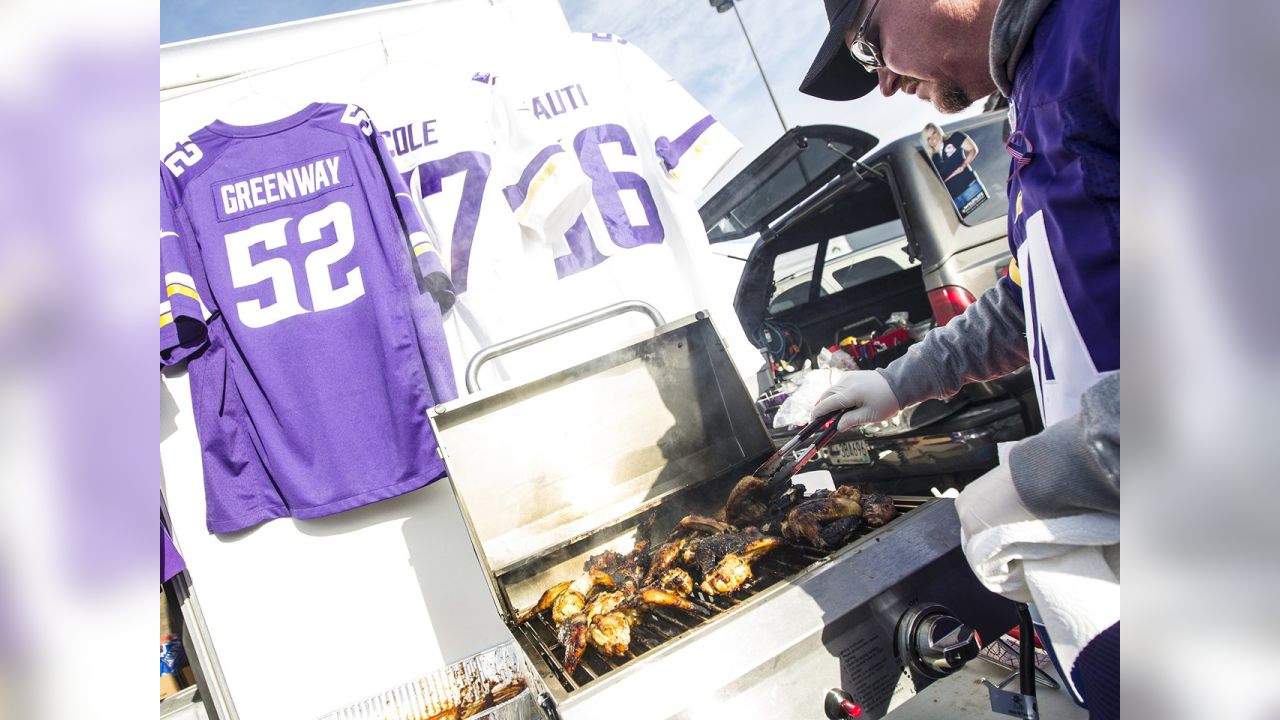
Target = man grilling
(1058,310)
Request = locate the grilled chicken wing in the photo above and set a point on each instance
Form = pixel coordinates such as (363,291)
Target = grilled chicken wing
(805,520)
(735,568)
(574,599)
(655,597)
(544,602)
(850,492)
(663,558)
(676,580)
(605,603)
(610,633)
(574,634)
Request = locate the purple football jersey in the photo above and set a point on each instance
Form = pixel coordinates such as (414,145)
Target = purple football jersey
(171,562)
(299,277)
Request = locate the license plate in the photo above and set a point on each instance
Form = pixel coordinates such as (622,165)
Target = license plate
(849,452)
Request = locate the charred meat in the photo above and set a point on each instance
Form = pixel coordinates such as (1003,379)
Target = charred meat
(805,520)
(676,580)
(702,555)
(663,558)
(838,532)
(877,509)
(734,569)
(626,568)
(776,515)
(573,634)
(747,502)
(623,568)
(670,552)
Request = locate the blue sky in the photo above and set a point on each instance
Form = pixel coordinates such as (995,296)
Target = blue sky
(707,53)
(704,50)
(186,19)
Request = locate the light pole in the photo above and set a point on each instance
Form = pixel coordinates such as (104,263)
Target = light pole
(723,6)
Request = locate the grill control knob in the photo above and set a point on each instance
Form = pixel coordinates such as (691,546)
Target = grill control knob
(839,705)
(946,643)
(933,642)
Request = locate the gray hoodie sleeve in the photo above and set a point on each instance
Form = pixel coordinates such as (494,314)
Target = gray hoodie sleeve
(1074,465)
(986,342)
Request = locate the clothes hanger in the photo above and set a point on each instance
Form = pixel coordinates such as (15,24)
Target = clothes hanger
(255,107)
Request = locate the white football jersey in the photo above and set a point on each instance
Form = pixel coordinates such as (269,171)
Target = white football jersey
(649,149)
(439,123)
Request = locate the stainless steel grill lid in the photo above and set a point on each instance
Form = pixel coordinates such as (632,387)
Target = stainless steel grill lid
(542,464)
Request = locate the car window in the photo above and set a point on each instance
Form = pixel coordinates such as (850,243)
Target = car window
(863,256)
(992,165)
(788,299)
(864,271)
(850,260)
(792,275)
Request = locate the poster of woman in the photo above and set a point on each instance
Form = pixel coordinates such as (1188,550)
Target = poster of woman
(952,157)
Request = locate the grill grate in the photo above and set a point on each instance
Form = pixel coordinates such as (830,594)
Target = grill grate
(662,625)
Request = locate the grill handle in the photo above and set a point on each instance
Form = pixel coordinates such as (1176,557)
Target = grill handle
(548,707)
(561,328)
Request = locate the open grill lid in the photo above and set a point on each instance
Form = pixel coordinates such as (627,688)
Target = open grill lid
(537,466)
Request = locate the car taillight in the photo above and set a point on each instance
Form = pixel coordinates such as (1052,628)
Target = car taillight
(949,301)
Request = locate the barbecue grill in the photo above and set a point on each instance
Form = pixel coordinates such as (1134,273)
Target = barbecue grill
(554,471)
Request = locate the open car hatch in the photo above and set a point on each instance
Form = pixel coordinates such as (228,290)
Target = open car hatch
(796,165)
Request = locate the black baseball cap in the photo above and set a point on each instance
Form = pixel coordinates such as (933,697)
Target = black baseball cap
(835,75)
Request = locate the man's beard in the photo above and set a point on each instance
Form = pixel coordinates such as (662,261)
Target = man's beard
(950,98)
(947,96)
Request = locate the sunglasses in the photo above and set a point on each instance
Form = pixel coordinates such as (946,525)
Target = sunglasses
(861,49)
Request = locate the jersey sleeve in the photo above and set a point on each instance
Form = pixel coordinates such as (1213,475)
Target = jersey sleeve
(182,311)
(421,234)
(543,185)
(691,144)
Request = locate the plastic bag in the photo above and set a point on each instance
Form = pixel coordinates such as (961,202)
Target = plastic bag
(798,409)
(842,360)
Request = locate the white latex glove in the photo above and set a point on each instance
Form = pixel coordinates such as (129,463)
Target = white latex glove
(864,393)
(990,501)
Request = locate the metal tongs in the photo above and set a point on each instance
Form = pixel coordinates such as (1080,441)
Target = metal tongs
(781,466)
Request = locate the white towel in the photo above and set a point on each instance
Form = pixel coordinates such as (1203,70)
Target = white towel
(1059,565)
